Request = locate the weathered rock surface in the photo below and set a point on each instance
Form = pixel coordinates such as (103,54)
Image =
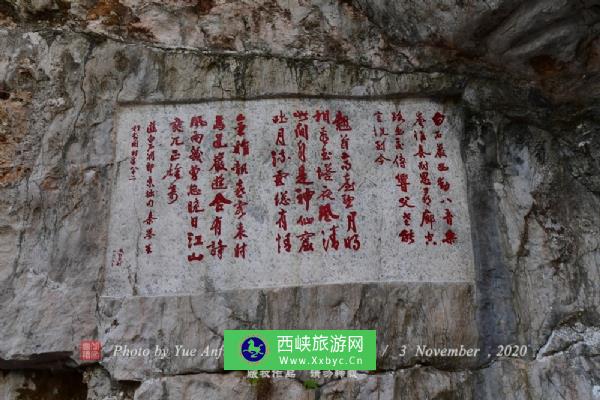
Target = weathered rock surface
(524,73)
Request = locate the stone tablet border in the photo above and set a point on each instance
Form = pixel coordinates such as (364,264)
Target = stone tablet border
(129,272)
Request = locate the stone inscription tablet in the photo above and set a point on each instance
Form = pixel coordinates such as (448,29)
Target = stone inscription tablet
(281,192)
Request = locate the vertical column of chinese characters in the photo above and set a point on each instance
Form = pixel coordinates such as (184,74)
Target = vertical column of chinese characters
(348,187)
(279,159)
(150,193)
(195,242)
(303,190)
(218,186)
(407,234)
(325,176)
(241,150)
(381,136)
(135,144)
(173,174)
(443,185)
(427,217)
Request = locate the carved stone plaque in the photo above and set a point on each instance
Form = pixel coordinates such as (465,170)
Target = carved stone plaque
(282,192)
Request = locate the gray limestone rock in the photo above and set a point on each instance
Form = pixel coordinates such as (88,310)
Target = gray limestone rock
(522,76)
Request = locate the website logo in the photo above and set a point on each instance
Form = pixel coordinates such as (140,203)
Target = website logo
(253,349)
(300,350)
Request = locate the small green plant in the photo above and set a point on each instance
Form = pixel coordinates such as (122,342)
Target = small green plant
(254,381)
(310,384)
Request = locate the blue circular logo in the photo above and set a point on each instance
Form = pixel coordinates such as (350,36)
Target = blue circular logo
(253,349)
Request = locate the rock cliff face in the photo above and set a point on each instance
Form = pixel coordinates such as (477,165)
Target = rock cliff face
(526,75)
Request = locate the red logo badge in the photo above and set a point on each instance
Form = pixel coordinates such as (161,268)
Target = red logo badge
(90,350)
